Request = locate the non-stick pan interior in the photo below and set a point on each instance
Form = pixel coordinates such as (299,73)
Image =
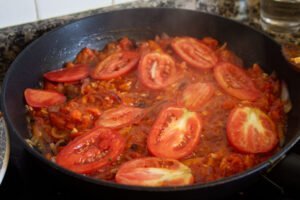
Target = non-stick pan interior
(54,48)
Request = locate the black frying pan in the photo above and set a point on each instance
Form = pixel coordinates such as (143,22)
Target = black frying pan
(53,49)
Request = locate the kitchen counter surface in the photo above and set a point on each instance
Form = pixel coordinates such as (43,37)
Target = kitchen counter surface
(14,39)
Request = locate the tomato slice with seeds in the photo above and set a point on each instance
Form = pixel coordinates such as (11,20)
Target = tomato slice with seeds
(91,151)
(175,133)
(76,73)
(115,65)
(250,130)
(194,52)
(235,81)
(43,98)
(154,172)
(120,117)
(156,70)
(196,95)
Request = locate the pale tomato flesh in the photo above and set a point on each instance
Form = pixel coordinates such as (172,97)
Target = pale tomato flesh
(250,130)
(175,133)
(120,117)
(196,95)
(154,172)
(156,70)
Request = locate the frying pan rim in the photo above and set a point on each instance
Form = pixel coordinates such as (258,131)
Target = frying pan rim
(262,166)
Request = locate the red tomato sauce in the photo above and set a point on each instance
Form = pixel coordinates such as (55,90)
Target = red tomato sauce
(154,84)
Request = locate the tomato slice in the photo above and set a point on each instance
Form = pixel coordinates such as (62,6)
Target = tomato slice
(69,74)
(115,65)
(120,117)
(235,81)
(250,130)
(43,98)
(156,70)
(196,95)
(151,171)
(175,133)
(91,151)
(194,52)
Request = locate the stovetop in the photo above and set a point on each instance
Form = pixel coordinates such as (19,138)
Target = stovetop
(24,179)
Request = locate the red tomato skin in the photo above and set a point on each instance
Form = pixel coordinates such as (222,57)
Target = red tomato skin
(106,69)
(255,140)
(70,74)
(128,115)
(43,98)
(146,71)
(203,56)
(97,141)
(135,172)
(242,87)
(164,148)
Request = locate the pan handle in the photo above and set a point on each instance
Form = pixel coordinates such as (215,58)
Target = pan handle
(285,175)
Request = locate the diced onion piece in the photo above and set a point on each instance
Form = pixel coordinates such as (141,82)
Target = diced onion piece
(285,97)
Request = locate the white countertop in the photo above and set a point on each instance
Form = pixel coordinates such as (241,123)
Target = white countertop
(14,12)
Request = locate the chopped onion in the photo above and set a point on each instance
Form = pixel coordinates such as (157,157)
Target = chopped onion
(285,97)
(222,47)
(58,134)
(30,143)
(53,148)
(164,36)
